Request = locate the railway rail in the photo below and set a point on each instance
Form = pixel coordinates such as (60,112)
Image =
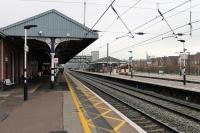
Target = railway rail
(164,114)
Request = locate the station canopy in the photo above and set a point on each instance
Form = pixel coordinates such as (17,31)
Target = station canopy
(108,59)
(70,36)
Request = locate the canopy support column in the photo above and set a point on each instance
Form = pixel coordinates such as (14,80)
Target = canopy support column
(52,63)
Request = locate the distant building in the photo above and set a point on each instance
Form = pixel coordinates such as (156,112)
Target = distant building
(105,64)
(95,55)
(78,62)
(169,64)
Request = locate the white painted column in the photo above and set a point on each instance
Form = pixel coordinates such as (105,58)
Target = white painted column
(52,67)
(25,57)
(25,69)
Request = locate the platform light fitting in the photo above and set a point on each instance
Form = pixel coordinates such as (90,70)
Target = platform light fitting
(40,32)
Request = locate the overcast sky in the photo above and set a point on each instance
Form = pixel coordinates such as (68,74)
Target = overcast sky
(12,11)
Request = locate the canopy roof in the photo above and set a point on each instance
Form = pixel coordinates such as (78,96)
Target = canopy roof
(108,59)
(73,36)
(52,24)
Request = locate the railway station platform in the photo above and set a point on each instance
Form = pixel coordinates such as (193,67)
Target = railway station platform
(41,113)
(70,108)
(194,87)
(190,78)
(98,115)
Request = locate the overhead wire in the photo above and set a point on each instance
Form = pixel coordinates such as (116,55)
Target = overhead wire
(118,16)
(152,2)
(142,42)
(133,6)
(54,1)
(167,23)
(100,17)
(158,16)
(123,13)
(114,40)
(94,3)
(152,20)
(97,4)
(154,41)
(171,16)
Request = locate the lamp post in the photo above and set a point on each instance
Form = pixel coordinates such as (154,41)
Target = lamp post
(107,55)
(189,71)
(131,62)
(27,27)
(180,67)
(184,56)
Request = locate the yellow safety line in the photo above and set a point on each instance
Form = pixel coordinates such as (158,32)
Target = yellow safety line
(101,107)
(97,103)
(119,126)
(113,118)
(89,99)
(93,97)
(102,114)
(80,113)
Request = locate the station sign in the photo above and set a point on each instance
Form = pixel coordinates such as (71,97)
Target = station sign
(56,60)
(26,48)
(183,56)
(148,62)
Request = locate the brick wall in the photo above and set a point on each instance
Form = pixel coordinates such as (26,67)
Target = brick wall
(12,59)
(1,43)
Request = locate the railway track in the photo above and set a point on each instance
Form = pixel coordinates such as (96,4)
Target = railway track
(178,115)
(147,122)
(180,107)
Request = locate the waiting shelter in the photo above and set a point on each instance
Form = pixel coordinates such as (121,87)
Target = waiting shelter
(106,64)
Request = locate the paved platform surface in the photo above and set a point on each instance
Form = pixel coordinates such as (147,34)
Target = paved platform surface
(44,112)
(55,111)
(99,116)
(169,76)
(12,98)
(174,84)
